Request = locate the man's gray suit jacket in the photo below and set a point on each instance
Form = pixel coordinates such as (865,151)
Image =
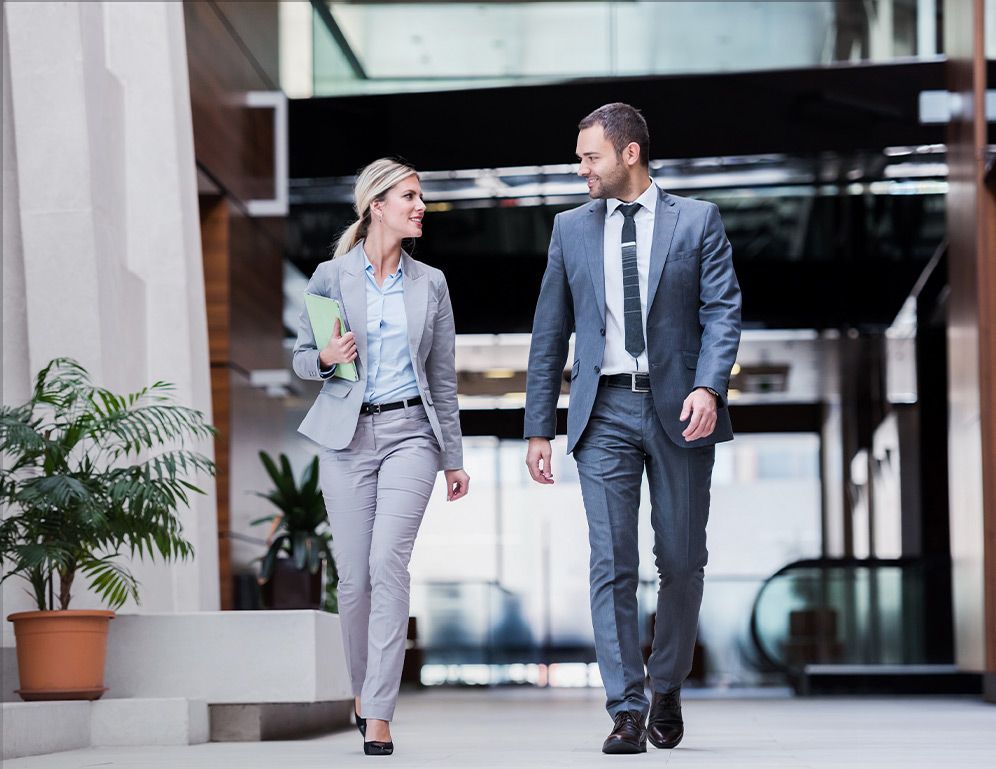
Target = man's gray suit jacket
(693,321)
(332,419)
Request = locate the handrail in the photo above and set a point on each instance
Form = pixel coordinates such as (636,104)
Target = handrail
(822,563)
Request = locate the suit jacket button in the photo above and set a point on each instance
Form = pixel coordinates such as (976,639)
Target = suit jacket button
(601,331)
(597,370)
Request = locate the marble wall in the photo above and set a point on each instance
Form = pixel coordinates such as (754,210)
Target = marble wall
(101,245)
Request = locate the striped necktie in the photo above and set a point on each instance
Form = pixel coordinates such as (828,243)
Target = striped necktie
(632,312)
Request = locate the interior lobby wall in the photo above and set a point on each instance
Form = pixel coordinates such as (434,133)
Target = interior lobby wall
(101,250)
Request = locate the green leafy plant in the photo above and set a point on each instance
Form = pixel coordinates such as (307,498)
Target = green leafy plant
(82,487)
(301,528)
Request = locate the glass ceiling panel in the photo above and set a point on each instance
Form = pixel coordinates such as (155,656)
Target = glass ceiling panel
(365,47)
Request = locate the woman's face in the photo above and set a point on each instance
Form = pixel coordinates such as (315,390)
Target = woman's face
(400,213)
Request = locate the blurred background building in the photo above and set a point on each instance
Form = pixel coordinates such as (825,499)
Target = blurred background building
(174,173)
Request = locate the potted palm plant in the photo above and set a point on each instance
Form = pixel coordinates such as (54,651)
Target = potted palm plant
(88,478)
(290,572)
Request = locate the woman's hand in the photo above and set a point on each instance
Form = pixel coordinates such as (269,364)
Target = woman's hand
(457,484)
(340,349)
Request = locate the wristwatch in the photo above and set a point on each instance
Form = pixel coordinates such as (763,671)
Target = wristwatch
(712,392)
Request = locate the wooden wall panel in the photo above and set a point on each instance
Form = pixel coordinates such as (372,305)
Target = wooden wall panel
(229,139)
(256,293)
(971,350)
(221,404)
(215,249)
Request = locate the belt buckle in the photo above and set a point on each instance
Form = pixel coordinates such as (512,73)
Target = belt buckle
(374,408)
(633,387)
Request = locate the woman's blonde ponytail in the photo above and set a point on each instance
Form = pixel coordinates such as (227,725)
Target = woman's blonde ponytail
(352,235)
(373,183)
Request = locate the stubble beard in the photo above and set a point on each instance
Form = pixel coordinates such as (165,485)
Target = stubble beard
(611,185)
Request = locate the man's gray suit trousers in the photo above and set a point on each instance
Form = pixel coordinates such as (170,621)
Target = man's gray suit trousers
(376,491)
(623,438)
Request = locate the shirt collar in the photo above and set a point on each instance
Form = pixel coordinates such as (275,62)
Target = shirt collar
(648,200)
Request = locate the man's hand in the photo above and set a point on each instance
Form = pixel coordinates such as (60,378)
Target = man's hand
(340,349)
(538,460)
(457,484)
(700,405)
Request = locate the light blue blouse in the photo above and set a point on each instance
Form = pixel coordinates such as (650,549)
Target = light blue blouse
(390,373)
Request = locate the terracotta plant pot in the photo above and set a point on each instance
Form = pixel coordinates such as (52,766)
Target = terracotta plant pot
(60,654)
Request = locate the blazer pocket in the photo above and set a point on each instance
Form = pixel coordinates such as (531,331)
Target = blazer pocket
(691,359)
(677,256)
(575,370)
(333,388)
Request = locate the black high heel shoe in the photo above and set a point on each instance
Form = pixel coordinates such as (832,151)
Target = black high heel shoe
(374,748)
(361,723)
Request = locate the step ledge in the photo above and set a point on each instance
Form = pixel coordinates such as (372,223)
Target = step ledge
(27,726)
(229,657)
(256,722)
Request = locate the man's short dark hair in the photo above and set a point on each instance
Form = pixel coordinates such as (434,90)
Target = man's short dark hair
(622,124)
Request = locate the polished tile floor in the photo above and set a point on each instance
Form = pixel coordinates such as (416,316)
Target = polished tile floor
(543,728)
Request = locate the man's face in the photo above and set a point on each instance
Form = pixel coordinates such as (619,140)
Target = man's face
(599,164)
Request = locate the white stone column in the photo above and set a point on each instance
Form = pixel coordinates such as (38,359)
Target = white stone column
(101,238)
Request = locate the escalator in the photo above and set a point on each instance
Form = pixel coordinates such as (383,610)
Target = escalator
(836,625)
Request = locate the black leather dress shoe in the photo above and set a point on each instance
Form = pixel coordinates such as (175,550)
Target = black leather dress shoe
(628,734)
(374,748)
(665,728)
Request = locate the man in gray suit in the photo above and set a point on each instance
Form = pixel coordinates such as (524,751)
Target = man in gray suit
(646,281)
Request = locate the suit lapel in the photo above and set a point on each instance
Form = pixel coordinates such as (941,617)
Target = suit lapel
(353,286)
(416,295)
(665,220)
(593,238)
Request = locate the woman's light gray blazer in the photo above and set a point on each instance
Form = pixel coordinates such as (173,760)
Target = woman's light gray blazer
(332,419)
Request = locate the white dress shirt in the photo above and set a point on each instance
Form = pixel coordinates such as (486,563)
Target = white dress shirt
(615,359)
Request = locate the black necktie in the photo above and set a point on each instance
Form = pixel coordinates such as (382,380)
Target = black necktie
(632,312)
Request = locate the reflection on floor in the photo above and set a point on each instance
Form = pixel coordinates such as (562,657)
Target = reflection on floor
(564,728)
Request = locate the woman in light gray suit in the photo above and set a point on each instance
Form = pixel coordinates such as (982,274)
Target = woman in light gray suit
(385,436)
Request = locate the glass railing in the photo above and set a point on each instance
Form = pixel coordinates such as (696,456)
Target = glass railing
(849,612)
(376,47)
(477,625)
(472,623)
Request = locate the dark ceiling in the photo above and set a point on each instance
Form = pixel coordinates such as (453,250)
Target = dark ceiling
(840,108)
(835,261)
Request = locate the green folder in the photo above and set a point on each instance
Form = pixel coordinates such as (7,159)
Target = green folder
(323,313)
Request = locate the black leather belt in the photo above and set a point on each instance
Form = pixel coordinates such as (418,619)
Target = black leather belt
(638,383)
(376,408)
